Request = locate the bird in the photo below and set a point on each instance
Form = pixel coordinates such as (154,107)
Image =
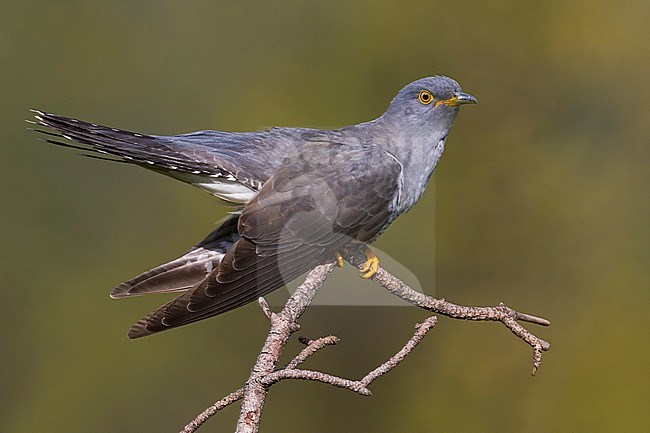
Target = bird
(302,195)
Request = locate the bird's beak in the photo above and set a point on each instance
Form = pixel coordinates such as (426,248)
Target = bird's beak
(458,99)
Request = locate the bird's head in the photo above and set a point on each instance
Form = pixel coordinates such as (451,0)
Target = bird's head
(427,106)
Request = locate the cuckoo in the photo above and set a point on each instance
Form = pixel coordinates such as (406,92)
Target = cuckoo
(302,195)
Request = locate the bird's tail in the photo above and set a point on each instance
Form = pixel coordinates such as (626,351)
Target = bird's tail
(159,153)
(174,156)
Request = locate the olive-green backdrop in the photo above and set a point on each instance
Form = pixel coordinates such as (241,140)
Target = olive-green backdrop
(540,201)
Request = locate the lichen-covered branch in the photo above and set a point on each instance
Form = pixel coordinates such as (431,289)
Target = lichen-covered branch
(420,331)
(500,313)
(312,347)
(283,324)
(201,418)
(359,386)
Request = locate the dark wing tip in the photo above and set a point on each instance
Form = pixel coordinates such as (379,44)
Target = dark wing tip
(147,325)
(151,323)
(138,330)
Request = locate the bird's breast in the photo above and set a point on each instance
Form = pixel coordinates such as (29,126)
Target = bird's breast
(417,168)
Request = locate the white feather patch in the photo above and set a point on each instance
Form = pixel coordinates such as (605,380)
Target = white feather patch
(230,191)
(226,188)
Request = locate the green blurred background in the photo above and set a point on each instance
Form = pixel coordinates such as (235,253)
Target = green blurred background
(540,201)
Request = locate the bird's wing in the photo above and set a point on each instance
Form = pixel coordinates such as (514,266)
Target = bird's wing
(186,271)
(312,207)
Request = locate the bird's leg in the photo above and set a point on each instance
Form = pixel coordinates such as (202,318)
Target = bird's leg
(371,265)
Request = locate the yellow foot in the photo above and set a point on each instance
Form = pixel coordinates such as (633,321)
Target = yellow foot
(339,257)
(370,268)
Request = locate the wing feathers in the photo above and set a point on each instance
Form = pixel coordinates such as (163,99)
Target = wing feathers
(308,211)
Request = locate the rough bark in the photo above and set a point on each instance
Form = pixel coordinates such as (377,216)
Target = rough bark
(266,372)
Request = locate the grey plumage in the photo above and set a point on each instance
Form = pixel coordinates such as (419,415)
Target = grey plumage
(305,194)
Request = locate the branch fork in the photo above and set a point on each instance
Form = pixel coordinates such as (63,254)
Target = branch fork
(266,372)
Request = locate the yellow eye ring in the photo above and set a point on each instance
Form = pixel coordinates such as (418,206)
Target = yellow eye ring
(425,97)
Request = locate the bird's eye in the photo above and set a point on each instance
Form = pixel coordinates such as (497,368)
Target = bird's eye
(425,97)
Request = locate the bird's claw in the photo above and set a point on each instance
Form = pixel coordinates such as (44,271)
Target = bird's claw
(339,260)
(339,256)
(371,266)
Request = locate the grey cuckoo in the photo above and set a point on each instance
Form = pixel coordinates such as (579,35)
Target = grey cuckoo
(303,195)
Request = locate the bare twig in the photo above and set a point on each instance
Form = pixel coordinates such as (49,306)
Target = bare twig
(421,330)
(358,386)
(283,324)
(317,376)
(206,414)
(500,313)
(312,347)
(266,309)
(290,371)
